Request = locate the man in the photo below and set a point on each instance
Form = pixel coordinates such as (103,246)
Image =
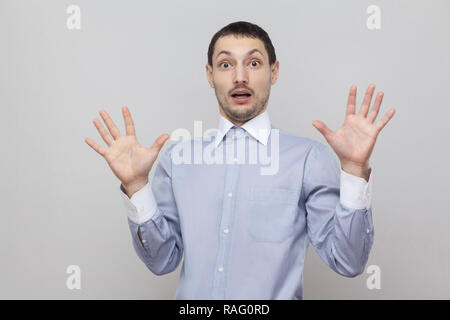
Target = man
(245,234)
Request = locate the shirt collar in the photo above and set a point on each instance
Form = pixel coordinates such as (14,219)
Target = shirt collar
(258,127)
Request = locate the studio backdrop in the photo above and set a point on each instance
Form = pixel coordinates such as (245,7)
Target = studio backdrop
(61,62)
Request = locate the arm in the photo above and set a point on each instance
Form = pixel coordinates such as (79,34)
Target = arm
(342,230)
(154,222)
(339,216)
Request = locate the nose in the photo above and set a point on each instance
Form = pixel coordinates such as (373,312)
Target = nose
(240,75)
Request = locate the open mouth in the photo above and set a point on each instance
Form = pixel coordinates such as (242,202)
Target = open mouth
(241,97)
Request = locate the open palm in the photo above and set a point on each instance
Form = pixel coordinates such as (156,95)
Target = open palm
(355,140)
(128,160)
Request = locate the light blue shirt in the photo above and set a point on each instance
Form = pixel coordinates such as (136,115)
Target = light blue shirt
(245,233)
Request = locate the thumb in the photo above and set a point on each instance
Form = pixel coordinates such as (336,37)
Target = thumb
(322,127)
(159,142)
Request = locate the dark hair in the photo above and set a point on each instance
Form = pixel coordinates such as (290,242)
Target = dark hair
(246,29)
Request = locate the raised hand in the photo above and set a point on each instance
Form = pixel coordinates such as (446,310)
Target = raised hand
(355,140)
(129,161)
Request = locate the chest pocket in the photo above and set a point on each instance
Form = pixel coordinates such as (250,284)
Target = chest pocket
(272,213)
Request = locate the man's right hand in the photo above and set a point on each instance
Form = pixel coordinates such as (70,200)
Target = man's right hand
(129,161)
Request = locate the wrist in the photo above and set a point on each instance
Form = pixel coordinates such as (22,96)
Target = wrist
(359,170)
(133,187)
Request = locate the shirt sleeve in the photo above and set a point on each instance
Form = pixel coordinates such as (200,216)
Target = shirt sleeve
(153,212)
(356,192)
(338,212)
(141,206)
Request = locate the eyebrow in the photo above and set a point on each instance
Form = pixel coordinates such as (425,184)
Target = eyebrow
(248,53)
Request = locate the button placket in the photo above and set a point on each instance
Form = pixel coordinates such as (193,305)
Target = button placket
(230,186)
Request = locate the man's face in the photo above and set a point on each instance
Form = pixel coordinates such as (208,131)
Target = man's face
(241,63)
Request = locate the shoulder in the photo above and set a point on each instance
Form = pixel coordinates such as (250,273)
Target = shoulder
(303,142)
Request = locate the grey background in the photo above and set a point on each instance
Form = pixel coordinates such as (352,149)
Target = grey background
(61,203)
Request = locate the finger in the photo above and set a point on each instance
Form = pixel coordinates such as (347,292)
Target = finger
(100,150)
(367,98)
(110,124)
(322,127)
(159,142)
(129,125)
(383,121)
(351,102)
(376,107)
(103,133)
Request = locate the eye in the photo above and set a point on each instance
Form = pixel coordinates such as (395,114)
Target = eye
(255,62)
(224,63)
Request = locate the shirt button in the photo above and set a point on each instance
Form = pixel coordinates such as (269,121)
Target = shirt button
(367,230)
(226,230)
(144,241)
(220,269)
(142,208)
(230,195)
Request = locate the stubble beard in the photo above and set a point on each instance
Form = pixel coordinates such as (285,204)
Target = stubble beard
(242,113)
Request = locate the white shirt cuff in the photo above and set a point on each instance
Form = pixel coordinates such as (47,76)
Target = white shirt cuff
(356,192)
(142,205)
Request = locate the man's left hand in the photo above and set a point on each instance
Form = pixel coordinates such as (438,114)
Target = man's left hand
(355,140)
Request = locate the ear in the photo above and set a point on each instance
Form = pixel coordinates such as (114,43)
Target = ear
(209,75)
(274,69)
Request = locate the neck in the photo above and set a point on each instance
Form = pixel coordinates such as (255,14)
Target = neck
(237,122)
